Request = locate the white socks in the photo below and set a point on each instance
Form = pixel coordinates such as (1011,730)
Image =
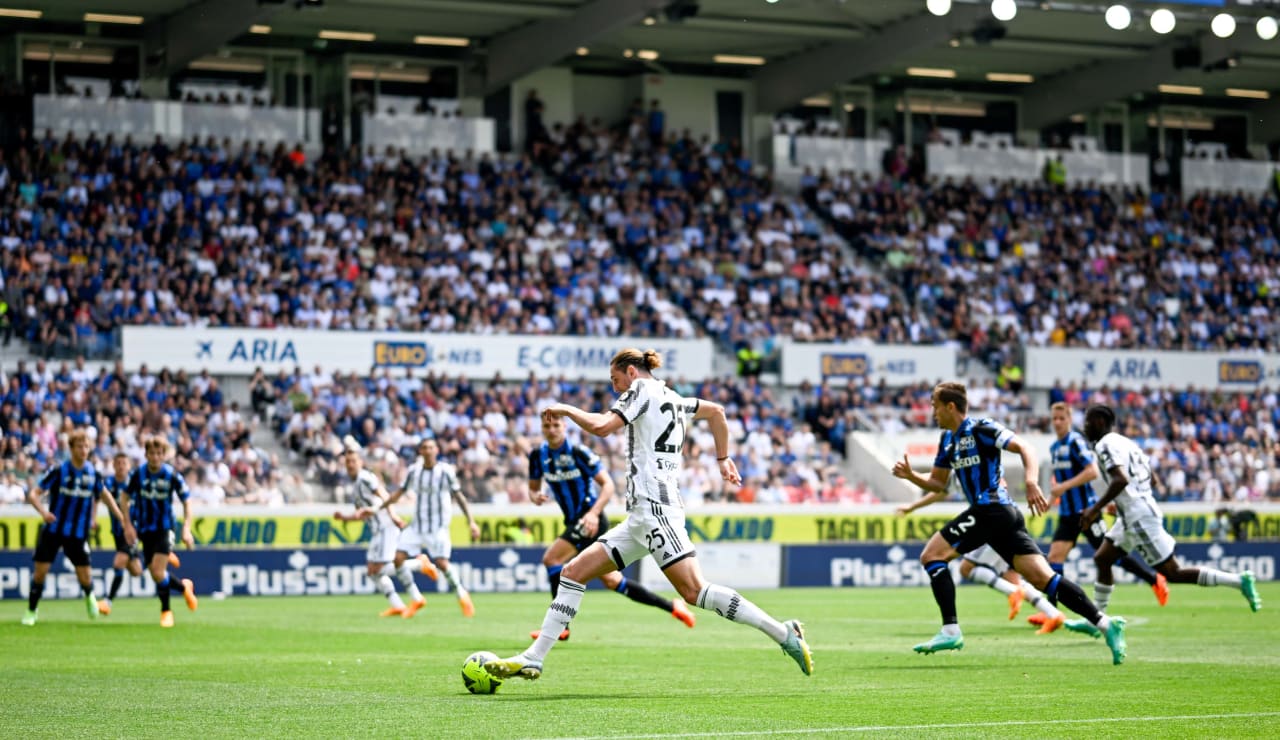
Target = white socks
(562,611)
(386,587)
(1102,595)
(404,574)
(1038,600)
(453,581)
(988,577)
(1212,577)
(729,604)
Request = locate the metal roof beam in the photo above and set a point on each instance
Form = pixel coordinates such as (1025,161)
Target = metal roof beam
(513,54)
(1087,88)
(179,39)
(784,83)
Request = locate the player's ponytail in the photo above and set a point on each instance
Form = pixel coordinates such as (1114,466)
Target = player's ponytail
(647,360)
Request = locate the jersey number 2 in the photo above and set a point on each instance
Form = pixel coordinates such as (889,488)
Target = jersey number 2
(660,445)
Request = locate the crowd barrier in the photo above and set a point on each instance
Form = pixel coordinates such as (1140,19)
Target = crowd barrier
(146,119)
(319,572)
(983,164)
(422,134)
(1226,176)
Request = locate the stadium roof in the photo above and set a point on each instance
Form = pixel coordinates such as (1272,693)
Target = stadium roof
(1076,61)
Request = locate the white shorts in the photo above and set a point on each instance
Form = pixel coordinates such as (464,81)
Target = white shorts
(986,555)
(1144,535)
(436,544)
(650,528)
(382,548)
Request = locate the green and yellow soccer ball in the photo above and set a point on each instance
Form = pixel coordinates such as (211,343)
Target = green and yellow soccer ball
(475,677)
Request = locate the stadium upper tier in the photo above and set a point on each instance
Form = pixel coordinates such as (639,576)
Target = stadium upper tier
(595,235)
(1081,267)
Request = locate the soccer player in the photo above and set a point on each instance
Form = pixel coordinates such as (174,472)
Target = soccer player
(435,487)
(74,489)
(569,470)
(972,448)
(1140,524)
(369,497)
(1074,467)
(148,498)
(654,417)
(128,555)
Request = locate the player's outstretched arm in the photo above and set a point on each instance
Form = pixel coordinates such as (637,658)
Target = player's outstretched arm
(935,483)
(713,413)
(601,425)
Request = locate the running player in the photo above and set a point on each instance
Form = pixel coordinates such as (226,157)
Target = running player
(1140,524)
(986,567)
(369,497)
(74,489)
(434,485)
(569,470)
(1074,467)
(128,557)
(972,447)
(148,498)
(655,417)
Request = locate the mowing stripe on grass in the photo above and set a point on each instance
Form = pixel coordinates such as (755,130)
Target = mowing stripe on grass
(942,726)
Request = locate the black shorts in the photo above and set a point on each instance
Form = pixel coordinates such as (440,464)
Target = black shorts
(1069,530)
(998,525)
(154,543)
(49,543)
(575,536)
(117,534)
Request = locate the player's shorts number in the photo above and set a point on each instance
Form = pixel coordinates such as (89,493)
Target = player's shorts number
(655,540)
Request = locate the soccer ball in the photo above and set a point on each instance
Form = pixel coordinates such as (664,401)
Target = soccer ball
(475,677)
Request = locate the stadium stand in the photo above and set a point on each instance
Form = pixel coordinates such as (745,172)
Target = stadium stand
(212,437)
(1085,267)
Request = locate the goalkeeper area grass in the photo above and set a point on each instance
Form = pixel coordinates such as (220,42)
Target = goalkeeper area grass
(1204,666)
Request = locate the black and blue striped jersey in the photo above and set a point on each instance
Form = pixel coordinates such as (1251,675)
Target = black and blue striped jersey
(73,498)
(151,493)
(1071,455)
(972,452)
(567,471)
(115,488)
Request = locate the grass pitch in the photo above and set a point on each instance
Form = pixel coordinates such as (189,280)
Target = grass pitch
(1204,666)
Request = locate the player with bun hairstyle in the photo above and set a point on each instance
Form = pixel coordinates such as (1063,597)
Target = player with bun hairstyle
(655,418)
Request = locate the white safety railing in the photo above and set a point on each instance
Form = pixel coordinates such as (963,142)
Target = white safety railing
(983,163)
(420,134)
(145,119)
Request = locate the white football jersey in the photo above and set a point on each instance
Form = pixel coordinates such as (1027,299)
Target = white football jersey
(433,488)
(364,493)
(656,419)
(1118,451)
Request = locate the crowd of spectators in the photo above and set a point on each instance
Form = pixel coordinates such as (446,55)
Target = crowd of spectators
(487,430)
(211,437)
(102,233)
(1080,267)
